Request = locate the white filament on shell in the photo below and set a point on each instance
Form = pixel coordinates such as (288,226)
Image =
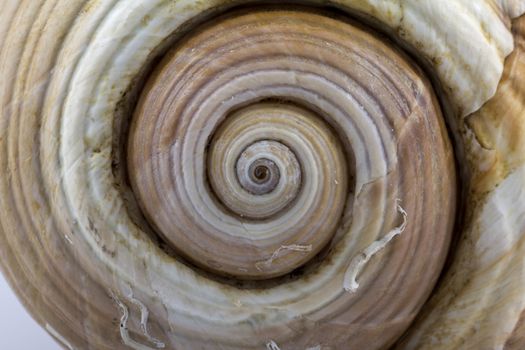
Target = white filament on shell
(271,345)
(275,255)
(124,332)
(144,316)
(357,264)
(69,240)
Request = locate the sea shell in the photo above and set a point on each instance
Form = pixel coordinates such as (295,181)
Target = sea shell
(237,175)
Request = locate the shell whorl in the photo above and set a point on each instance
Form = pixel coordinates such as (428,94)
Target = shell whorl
(335,131)
(291,179)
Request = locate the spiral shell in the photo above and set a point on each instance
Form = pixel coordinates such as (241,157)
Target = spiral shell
(190,175)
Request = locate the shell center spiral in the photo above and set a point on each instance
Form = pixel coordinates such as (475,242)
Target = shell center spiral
(238,166)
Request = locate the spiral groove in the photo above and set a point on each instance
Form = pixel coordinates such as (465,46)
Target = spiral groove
(267,137)
(291,181)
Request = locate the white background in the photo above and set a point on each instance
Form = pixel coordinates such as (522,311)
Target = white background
(18,331)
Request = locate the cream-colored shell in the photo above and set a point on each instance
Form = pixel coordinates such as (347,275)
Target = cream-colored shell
(70,61)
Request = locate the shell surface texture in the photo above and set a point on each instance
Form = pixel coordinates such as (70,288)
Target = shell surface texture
(336,174)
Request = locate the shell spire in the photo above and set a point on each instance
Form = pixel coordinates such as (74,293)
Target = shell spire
(338,174)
